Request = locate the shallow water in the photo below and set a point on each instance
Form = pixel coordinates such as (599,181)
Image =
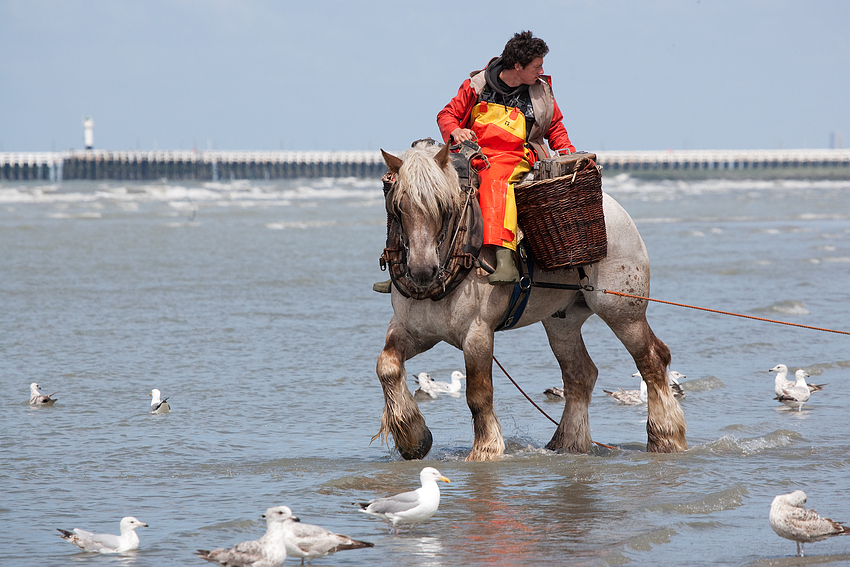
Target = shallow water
(250,306)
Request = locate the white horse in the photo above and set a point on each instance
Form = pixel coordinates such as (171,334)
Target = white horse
(426,189)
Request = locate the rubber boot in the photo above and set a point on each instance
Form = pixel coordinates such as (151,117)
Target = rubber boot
(506,272)
(383,287)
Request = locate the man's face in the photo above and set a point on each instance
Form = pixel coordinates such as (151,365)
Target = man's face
(528,74)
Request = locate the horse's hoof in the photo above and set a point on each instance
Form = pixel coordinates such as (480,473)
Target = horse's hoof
(420,451)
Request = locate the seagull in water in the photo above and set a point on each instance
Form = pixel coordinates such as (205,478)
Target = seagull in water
(629,397)
(157,405)
(409,507)
(309,542)
(796,395)
(268,551)
(790,520)
(451,388)
(107,543)
(426,389)
(673,379)
(781,383)
(555,394)
(39,399)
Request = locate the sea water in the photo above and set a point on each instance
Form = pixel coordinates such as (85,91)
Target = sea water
(249,305)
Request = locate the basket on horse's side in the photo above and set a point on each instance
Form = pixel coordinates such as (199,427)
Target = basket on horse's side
(562,217)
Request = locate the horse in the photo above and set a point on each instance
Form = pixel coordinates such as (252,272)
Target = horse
(424,194)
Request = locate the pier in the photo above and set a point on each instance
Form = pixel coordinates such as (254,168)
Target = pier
(232,165)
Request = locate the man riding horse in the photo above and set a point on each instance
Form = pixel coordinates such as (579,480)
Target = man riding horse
(508,108)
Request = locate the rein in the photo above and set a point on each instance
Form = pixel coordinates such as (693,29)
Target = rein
(464,224)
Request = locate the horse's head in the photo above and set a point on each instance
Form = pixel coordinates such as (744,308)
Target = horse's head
(424,197)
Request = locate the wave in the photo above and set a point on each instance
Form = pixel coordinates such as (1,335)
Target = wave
(623,183)
(731,445)
(233,194)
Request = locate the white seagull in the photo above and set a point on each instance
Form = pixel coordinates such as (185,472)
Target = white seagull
(790,520)
(268,551)
(39,399)
(629,397)
(106,543)
(781,382)
(798,394)
(409,507)
(555,393)
(673,378)
(157,405)
(451,388)
(309,542)
(426,389)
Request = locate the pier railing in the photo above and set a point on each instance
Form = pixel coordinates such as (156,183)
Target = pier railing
(219,165)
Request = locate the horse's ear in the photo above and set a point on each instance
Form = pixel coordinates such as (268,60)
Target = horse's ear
(442,157)
(392,162)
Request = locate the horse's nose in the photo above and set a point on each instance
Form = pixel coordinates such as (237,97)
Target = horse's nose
(423,275)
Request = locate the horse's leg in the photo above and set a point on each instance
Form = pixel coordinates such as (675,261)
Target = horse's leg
(579,375)
(665,422)
(478,357)
(401,417)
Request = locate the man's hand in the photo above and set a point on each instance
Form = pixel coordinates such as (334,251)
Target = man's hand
(462,134)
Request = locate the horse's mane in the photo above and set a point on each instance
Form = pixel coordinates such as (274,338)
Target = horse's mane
(430,188)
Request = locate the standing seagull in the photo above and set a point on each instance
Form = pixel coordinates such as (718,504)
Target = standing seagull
(782,383)
(409,507)
(39,399)
(309,542)
(798,394)
(452,388)
(268,551)
(790,520)
(107,543)
(157,405)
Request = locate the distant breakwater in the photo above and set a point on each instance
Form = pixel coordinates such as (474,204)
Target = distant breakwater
(232,165)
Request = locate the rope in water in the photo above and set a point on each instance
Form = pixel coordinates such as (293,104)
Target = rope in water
(521,391)
(620,293)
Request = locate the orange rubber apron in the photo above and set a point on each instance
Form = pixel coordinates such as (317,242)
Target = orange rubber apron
(501,134)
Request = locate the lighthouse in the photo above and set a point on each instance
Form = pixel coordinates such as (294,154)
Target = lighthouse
(88,134)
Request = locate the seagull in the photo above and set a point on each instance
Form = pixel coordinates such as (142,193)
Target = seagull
(309,542)
(268,551)
(409,507)
(157,405)
(107,543)
(781,383)
(555,393)
(673,378)
(39,399)
(426,389)
(452,388)
(790,520)
(798,394)
(629,397)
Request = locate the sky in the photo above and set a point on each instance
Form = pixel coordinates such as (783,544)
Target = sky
(358,75)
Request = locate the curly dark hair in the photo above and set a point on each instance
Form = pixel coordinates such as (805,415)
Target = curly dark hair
(523,48)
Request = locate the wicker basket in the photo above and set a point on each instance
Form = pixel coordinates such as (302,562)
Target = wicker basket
(562,218)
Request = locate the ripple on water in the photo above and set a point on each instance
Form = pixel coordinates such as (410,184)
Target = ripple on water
(728,499)
(730,445)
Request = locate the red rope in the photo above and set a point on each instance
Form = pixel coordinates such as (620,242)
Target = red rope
(724,312)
